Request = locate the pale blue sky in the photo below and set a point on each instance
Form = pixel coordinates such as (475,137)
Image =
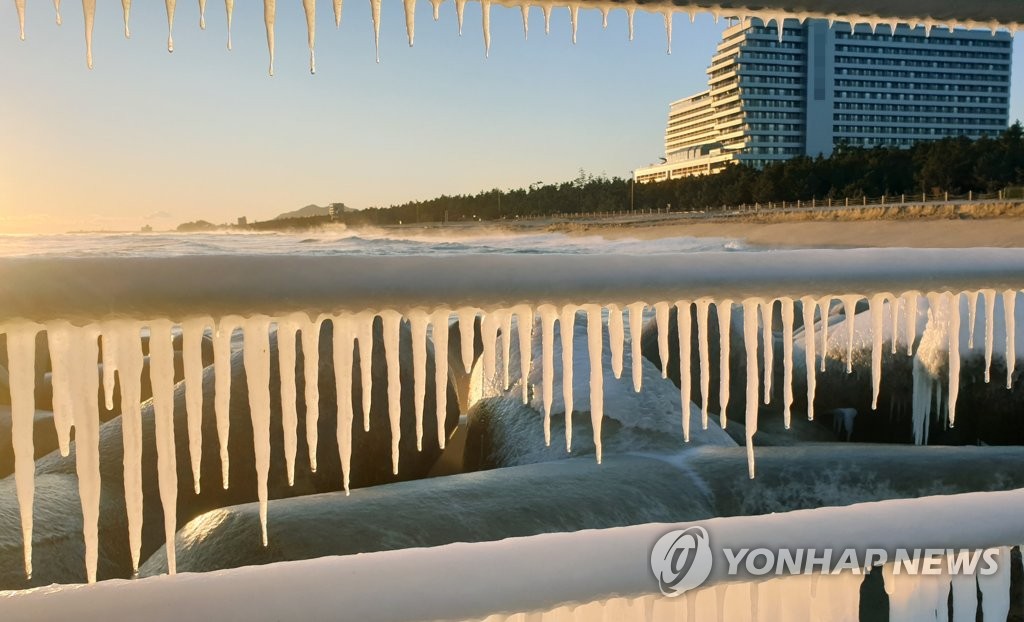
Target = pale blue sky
(163,138)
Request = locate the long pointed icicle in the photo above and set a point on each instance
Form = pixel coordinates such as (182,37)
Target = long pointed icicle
(850,311)
(595,340)
(89,10)
(524,315)
(485,15)
(126,344)
(439,335)
(824,307)
(1009,308)
(410,20)
(911,299)
(192,362)
(344,342)
(787,360)
(311,375)
(750,308)
(768,338)
(525,10)
(668,31)
(972,316)
(56,9)
(287,331)
(161,371)
(990,326)
(631,12)
(222,391)
(724,309)
(170,24)
(467,335)
(109,370)
(894,315)
(460,10)
(954,356)
(375,16)
(636,319)
(506,347)
(58,341)
(489,333)
(436,5)
(418,323)
(229,8)
(256,355)
(21,350)
(809,305)
(616,338)
(269,13)
(392,324)
(126,10)
(661,319)
(202,14)
(574,18)
(548,314)
(364,334)
(20,6)
(309,6)
(566,329)
(685,355)
(876,306)
(337,13)
(705,359)
(546,9)
(84,386)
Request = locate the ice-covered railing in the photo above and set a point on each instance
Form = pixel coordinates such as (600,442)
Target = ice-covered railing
(592,575)
(87,301)
(988,14)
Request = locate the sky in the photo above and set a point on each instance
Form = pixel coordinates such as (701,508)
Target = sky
(152,138)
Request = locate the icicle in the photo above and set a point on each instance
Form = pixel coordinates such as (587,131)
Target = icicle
(850,311)
(693,15)
(222,392)
(467,335)
(630,12)
(506,346)
(109,370)
(364,334)
(808,304)
(410,20)
(485,13)
(58,340)
(595,339)
(972,314)
(705,359)
(824,306)
(489,334)
(1009,305)
(343,343)
(876,305)
(724,334)
(604,18)
(436,4)
(202,14)
(170,24)
(337,13)
(309,6)
(636,318)
(192,362)
(894,315)
(287,331)
(392,321)
(787,359)
(269,10)
(768,338)
(418,323)
(84,383)
(910,304)
(439,335)
(616,338)
(375,15)
(56,8)
(750,345)
(460,9)
(161,372)
(311,378)
(548,314)
(524,315)
(566,328)
(89,10)
(574,16)
(995,588)
(990,325)
(126,344)
(256,355)
(954,355)
(126,10)
(20,6)
(525,10)
(685,355)
(668,31)
(661,317)
(229,8)
(546,8)
(21,356)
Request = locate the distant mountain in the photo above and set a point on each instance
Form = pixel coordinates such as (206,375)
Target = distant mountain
(312,211)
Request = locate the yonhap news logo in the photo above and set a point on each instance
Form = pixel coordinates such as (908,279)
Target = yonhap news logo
(682,560)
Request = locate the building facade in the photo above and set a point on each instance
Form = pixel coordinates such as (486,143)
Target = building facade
(820,86)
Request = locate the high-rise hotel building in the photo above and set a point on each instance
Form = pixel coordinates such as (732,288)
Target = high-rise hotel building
(820,86)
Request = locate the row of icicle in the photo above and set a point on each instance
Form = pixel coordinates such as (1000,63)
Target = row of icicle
(309,7)
(74,352)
